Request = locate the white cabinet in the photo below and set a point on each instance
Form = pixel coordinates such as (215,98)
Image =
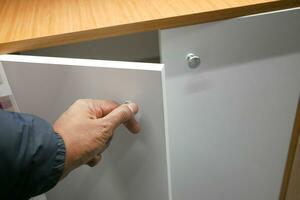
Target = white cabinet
(230,119)
(135,166)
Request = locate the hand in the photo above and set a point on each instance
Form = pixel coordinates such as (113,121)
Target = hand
(88,125)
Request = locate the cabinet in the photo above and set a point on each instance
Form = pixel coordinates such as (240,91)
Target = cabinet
(230,119)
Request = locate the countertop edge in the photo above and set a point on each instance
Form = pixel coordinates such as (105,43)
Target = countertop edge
(151,25)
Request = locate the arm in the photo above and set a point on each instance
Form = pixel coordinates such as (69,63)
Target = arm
(32,156)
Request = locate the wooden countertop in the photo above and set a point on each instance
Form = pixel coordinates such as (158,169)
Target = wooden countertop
(32,24)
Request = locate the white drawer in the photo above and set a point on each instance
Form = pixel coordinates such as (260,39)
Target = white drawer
(230,119)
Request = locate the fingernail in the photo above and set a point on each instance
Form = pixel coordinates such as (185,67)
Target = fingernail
(133,107)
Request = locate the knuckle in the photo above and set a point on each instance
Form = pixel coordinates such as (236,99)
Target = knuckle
(106,129)
(82,101)
(106,125)
(105,101)
(109,103)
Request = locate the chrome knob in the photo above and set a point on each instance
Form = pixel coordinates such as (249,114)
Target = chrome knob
(193,60)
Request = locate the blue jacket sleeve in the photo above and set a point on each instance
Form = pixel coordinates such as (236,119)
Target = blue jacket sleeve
(32,156)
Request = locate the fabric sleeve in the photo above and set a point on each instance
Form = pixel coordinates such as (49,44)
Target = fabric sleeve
(32,156)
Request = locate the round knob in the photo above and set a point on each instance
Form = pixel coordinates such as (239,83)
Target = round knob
(193,60)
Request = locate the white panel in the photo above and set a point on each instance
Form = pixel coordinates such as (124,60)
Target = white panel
(230,120)
(135,166)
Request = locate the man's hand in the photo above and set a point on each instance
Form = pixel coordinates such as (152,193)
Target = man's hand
(88,125)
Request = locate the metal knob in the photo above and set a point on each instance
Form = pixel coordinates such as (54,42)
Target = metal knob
(193,60)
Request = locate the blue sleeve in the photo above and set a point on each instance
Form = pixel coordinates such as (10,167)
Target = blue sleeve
(32,156)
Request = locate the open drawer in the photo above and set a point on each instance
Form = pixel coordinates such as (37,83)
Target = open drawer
(135,166)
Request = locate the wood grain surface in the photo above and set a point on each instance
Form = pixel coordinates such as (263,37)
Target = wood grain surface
(290,189)
(32,24)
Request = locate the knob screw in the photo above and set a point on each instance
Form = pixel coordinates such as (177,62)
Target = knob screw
(193,60)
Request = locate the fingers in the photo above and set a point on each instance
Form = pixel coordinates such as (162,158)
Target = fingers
(108,106)
(123,114)
(114,113)
(133,126)
(94,161)
(103,107)
(93,108)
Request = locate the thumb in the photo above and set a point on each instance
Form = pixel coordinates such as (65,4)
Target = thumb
(121,114)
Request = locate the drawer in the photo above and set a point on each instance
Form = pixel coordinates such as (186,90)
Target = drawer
(230,118)
(135,166)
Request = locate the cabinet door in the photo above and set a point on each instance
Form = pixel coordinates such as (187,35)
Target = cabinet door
(230,119)
(135,166)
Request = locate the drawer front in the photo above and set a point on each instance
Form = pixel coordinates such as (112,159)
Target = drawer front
(230,119)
